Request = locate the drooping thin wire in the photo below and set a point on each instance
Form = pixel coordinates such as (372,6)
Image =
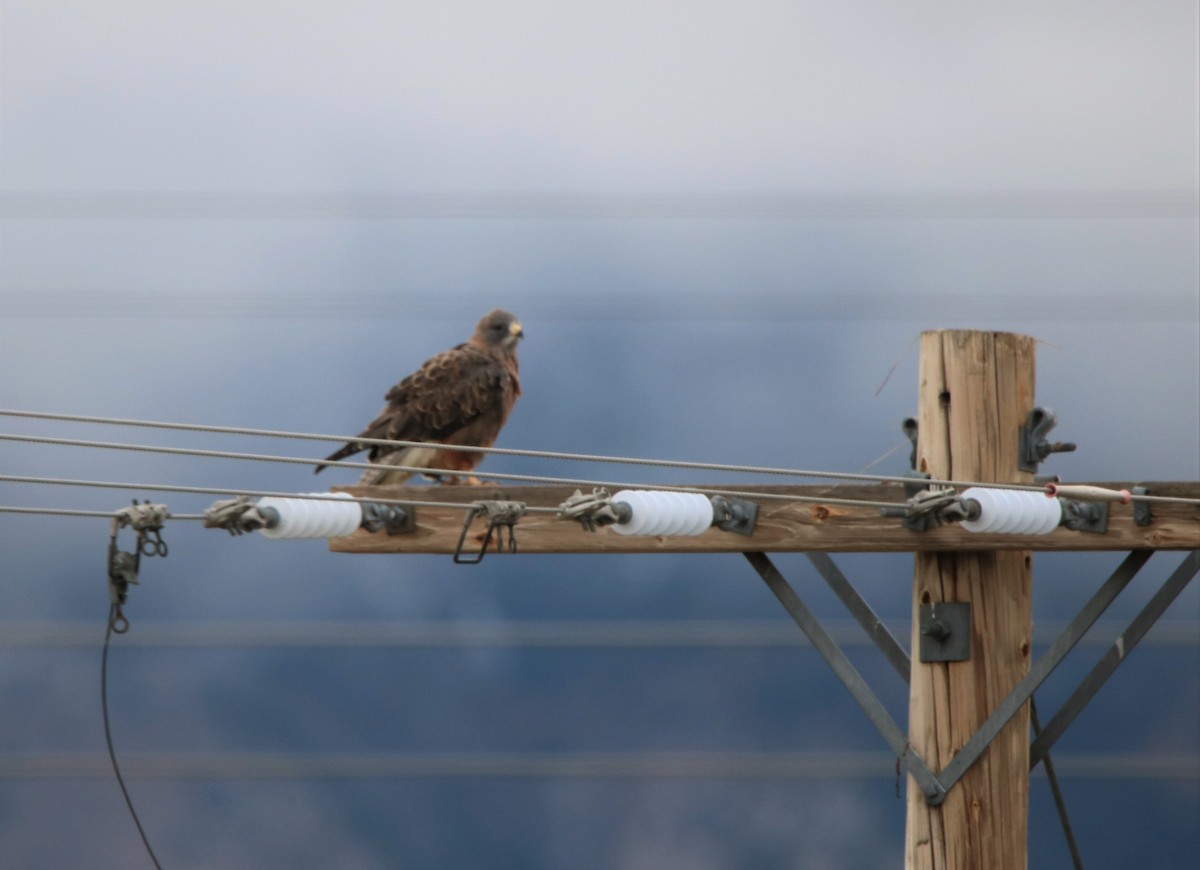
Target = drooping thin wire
(1059,803)
(113,616)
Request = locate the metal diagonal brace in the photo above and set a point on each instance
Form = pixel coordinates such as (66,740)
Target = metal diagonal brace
(851,679)
(934,787)
(1044,666)
(861,611)
(1040,748)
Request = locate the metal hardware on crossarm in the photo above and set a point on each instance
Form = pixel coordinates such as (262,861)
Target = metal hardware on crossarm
(500,515)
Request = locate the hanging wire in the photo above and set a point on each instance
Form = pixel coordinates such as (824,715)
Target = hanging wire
(1060,803)
(113,619)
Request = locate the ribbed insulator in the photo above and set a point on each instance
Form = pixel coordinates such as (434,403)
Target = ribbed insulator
(664,513)
(313,518)
(1013,512)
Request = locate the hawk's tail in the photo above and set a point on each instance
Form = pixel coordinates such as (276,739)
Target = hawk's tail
(341,453)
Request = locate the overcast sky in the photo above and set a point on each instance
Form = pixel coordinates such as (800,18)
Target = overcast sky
(627,96)
(723,225)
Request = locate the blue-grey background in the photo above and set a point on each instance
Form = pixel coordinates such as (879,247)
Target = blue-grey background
(723,226)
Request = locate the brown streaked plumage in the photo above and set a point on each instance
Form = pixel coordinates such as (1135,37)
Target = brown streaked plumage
(461,396)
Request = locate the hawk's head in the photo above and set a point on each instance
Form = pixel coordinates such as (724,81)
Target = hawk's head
(498,329)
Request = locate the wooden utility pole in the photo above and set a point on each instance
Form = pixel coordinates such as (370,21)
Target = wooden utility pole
(976,390)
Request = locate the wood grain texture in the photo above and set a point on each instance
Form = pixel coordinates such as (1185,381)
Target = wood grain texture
(976,389)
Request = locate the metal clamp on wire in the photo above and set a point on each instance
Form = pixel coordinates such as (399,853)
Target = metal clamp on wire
(1085,516)
(394,519)
(147,520)
(928,508)
(500,514)
(238,516)
(734,515)
(594,510)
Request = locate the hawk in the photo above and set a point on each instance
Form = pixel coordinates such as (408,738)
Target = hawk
(460,396)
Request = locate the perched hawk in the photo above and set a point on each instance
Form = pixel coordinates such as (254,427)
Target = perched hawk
(461,396)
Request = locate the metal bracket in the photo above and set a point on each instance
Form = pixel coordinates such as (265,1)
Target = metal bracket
(1142,515)
(1032,446)
(1085,516)
(395,519)
(734,515)
(945,628)
(910,429)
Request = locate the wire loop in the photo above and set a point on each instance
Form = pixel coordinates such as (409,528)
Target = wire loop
(500,515)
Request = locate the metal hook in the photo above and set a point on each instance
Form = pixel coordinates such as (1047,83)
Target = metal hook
(499,514)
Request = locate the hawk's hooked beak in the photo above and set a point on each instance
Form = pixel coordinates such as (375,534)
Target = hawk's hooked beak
(515,333)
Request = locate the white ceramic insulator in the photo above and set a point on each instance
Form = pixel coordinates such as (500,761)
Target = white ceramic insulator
(313,518)
(664,513)
(1013,512)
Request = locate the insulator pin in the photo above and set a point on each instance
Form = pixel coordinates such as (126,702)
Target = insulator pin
(1012,512)
(659,513)
(311,517)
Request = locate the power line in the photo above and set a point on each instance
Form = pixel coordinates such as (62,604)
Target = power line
(542,454)
(752,305)
(522,478)
(595,205)
(519,634)
(69,512)
(554,480)
(343,497)
(209,490)
(499,451)
(545,765)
